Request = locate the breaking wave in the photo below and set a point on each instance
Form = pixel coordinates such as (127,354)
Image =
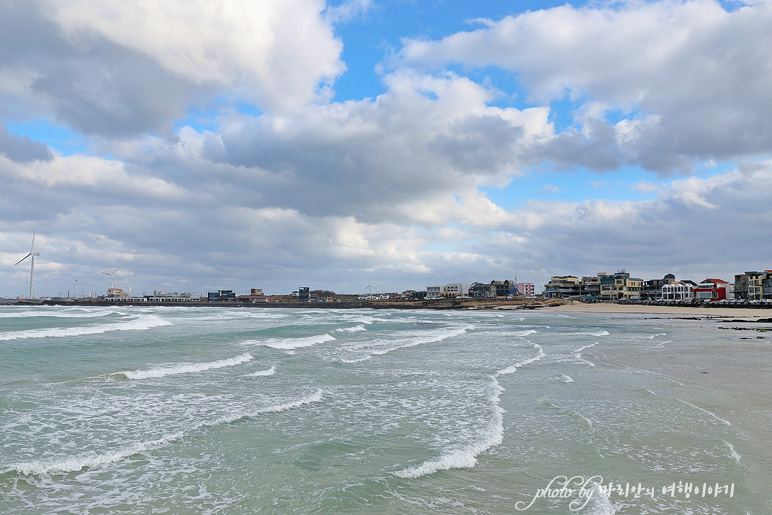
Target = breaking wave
(138,324)
(77,463)
(296,343)
(184,368)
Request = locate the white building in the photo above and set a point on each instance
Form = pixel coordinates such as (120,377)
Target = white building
(447,290)
(681,290)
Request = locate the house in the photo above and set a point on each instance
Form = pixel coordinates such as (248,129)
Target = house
(447,290)
(433,292)
(652,289)
(678,291)
(711,290)
(481,290)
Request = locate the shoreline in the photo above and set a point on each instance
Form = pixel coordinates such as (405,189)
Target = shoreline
(745,314)
(701,311)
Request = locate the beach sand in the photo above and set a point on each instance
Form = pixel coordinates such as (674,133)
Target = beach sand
(698,311)
(728,374)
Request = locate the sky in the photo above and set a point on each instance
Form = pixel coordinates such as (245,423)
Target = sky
(380,145)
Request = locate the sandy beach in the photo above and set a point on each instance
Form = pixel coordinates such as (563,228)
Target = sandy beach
(699,311)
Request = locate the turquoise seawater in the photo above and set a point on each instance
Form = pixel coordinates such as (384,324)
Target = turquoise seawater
(228,410)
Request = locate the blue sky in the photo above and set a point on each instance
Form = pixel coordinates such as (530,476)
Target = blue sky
(406,143)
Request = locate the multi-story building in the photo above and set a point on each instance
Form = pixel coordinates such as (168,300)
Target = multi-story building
(221,296)
(759,285)
(652,289)
(482,290)
(678,291)
(619,286)
(753,285)
(455,290)
(590,287)
(433,292)
(504,288)
(711,290)
(561,286)
(526,289)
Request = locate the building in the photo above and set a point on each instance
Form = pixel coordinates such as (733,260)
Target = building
(254,296)
(525,289)
(433,292)
(505,288)
(447,290)
(681,291)
(753,285)
(304,294)
(711,290)
(590,287)
(456,290)
(162,296)
(116,295)
(221,296)
(482,290)
(652,289)
(562,286)
(619,286)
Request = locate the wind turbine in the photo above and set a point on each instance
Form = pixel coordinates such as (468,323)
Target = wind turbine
(32,254)
(112,276)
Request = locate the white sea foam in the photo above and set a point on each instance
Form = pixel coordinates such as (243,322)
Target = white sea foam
(140,323)
(263,373)
(565,378)
(185,368)
(732,452)
(434,337)
(465,457)
(61,314)
(354,329)
(726,422)
(76,463)
(513,368)
(314,397)
(578,354)
(296,343)
(599,503)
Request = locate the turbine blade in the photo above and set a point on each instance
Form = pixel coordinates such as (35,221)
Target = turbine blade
(22,259)
(33,242)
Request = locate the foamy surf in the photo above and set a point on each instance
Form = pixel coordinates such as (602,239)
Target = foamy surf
(578,354)
(92,460)
(465,457)
(138,324)
(263,373)
(354,329)
(297,343)
(725,422)
(513,368)
(184,368)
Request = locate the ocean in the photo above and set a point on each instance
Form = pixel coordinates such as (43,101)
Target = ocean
(242,410)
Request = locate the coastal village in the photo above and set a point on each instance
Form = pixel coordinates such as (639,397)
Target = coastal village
(748,288)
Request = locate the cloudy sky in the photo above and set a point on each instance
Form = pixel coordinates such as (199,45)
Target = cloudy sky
(394,143)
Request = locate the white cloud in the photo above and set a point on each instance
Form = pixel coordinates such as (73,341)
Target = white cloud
(693,80)
(274,53)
